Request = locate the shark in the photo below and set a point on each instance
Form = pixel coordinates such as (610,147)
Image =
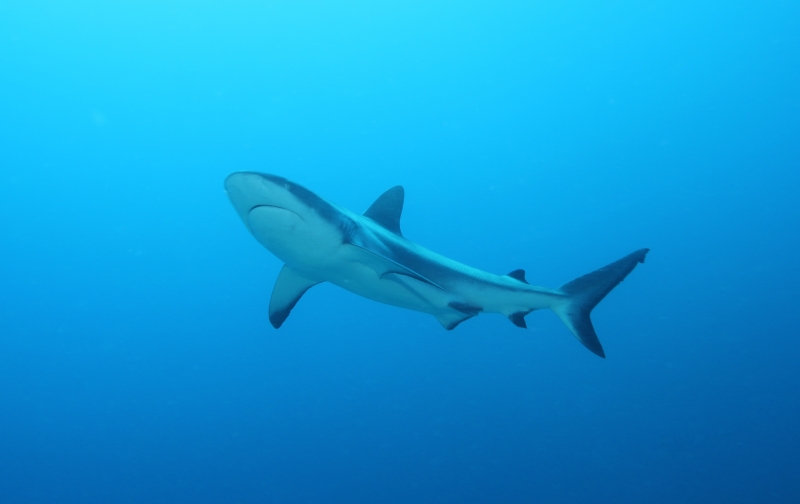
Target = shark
(367,254)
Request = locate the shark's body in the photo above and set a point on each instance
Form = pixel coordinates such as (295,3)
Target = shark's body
(368,255)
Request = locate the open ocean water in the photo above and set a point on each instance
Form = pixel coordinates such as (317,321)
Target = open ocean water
(137,361)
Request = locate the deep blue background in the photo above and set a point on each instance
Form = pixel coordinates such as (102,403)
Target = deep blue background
(137,363)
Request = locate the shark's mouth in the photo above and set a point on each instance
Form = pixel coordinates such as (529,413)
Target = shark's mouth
(271,206)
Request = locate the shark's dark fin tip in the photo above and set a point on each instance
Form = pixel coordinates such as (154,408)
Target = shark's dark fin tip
(387,209)
(277,318)
(518,319)
(452,326)
(518,274)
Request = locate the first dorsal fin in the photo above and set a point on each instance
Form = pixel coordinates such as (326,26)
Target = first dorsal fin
(518,275)
(386,210)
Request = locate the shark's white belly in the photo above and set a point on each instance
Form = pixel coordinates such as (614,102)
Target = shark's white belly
(295,239)
(393,290)
(352,272)
(318,253)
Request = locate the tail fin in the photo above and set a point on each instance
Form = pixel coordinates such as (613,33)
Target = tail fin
(584,294)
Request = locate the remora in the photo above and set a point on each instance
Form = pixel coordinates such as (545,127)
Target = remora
(367,254)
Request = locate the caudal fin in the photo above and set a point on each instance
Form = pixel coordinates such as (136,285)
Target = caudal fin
(584,294)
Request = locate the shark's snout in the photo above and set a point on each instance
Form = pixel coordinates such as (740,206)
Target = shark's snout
(248,190)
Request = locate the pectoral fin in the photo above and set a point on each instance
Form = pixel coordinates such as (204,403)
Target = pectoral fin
(289,288)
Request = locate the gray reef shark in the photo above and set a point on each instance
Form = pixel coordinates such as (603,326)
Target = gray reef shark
(368,255)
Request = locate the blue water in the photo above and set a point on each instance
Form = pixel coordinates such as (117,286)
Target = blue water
(137,362)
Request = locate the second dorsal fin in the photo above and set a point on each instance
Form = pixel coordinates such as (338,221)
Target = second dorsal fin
(518,275)
(386,210)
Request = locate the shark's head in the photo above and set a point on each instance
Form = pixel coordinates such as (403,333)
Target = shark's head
(250,190)
(288,219)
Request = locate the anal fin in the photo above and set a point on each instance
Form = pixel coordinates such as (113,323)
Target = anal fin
(460,313)
(289,288)
(451,319)
(518,319)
